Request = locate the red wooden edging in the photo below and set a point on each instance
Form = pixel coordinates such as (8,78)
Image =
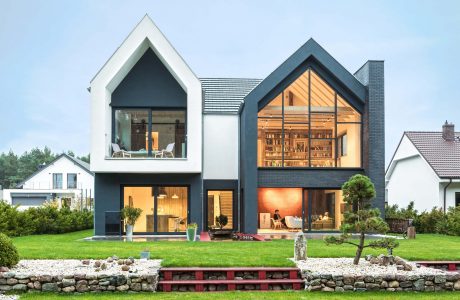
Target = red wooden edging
(241,281)
(451,265)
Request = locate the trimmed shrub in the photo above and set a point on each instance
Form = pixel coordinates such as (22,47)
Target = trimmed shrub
(453,221)
(42,220)
(8,253)
(428,222)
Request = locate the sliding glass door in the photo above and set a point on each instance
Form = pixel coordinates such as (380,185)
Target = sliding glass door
(322,209)
(164,208)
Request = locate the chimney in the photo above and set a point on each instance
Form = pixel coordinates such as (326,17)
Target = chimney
(448,131)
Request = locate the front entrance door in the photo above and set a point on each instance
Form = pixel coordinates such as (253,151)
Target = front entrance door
(164,208)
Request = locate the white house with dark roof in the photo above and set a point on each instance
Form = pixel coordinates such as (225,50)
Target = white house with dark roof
(66,179)
(425,168)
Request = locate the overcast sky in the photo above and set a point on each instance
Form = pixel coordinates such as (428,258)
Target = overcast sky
(50,50)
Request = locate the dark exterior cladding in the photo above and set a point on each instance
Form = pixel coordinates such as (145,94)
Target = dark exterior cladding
(108,192)
(149,84)
(364,90)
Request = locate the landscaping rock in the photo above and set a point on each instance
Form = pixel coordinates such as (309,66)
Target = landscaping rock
(50,287)
(300,247)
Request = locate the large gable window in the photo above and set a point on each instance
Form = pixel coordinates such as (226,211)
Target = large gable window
(309,125)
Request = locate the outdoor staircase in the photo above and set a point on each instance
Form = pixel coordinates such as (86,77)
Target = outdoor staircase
(452,266)
(229,279)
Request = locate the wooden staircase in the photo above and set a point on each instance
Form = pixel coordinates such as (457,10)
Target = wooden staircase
(229,279)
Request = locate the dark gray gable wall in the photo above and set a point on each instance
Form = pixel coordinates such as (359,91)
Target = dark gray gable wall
(149,84)
(310,55)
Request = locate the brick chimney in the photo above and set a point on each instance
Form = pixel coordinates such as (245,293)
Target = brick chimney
(448,131)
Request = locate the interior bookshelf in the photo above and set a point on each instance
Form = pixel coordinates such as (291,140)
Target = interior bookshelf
(297,149)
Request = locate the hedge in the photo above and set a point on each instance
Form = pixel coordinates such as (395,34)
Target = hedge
(41,220)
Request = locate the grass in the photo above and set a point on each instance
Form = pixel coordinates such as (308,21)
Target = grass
(246,295)
(226,254)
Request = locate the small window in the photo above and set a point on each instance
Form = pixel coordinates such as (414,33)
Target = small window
(457,199)
(57,181)
(343,145)
(71,181)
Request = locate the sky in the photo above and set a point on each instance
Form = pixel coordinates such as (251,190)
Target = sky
(50,50)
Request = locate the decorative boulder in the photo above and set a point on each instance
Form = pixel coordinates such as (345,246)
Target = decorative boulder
(300,247)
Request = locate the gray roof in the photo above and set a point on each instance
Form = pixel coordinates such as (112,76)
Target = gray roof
(226,95)
(443,156)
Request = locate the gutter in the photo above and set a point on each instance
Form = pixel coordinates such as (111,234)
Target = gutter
(445,190)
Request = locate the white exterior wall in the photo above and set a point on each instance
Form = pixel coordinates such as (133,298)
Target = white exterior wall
(44,179)
(221,146)
(413,180)
(145,35)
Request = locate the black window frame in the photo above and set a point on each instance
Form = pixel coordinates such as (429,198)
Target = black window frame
(75,181)
(457,199)
(150,123)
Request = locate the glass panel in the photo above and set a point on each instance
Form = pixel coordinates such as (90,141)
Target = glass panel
(295,145)
(131,128)
(71,181)
(322,126)
(280,209)
(322,153)
(140,197)
(269,143)
(349,145)
(273,109)
(168,134)
(345,112)
(220,203)
(296,100)
(57,181)
(322,95)
(172,209)
(327,209)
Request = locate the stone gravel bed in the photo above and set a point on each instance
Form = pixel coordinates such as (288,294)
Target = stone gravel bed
(341,266)
(341,275)
(69,276)
(75,266)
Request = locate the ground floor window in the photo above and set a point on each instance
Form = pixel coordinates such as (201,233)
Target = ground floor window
(296,209)
(220,206)
(164,208)
(457,199)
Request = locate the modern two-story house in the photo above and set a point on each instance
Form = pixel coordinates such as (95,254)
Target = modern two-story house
(187,149)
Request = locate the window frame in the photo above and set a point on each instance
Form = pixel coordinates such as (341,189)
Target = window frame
(55,181)
(335,138)
(149,125)
(75,181)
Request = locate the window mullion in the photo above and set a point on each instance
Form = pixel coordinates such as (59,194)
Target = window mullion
(335,134)
(282,129)
(309,118)
(149,134)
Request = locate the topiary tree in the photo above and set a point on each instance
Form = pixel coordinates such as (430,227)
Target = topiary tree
(221,221)
(8,253)
(358,192)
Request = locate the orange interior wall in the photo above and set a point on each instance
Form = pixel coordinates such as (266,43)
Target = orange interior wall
(287,200)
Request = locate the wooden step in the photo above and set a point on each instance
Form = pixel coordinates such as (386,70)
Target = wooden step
(231,284)
(451,264)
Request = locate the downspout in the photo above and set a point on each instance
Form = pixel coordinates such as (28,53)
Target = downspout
(445,191)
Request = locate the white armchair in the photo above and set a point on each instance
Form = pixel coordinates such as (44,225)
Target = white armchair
(293,222)
(117,152)
(169,151)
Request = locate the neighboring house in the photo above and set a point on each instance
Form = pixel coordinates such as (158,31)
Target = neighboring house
(425,168)
(187,149)
(66,179)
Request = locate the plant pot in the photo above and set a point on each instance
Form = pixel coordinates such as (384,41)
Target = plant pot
(129,230)
(145,255)
(191,234)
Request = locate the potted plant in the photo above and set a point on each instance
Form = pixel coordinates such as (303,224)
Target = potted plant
(145,254)
(220,232)
(191,232)
(130,215)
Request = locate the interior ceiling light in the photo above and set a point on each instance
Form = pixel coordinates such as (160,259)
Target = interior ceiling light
(175,196)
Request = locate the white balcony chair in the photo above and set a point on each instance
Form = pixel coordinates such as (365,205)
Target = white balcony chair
(117,152)
(165,152)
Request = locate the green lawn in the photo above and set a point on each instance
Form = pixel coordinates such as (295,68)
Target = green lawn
(246,295)
(231,254)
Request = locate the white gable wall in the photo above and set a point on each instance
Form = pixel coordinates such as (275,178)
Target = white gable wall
(44,178)
(413,180)
(221,147)
(145,35)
